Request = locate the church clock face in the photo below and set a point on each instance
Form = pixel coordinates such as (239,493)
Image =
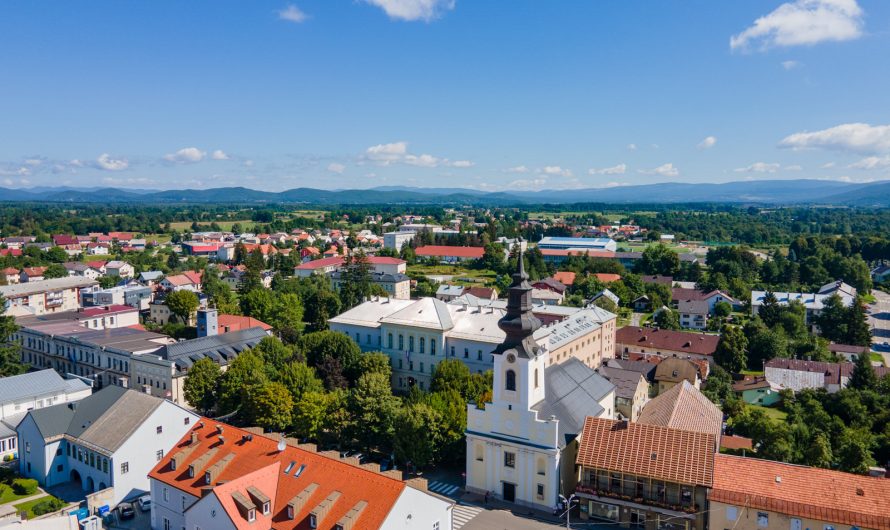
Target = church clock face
(511,358)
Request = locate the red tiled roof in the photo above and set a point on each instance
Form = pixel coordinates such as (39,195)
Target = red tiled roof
(736,442)
(800,491)
(194,276)
(606,277)
(121,236)
(457,252)
(664,339)
(384,260)
(10,252)
(487,293)
(265,249)
(10,270)
(564,277)
(90,312)
(34,271)
(320,263)
(64,239)
(230,323)
(683,407)
(652,451)
(258,463)
(96,264)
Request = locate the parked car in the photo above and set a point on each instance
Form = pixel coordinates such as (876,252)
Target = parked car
(144,503)
(125,510)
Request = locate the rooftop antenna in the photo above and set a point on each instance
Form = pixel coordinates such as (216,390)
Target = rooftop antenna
(281,445)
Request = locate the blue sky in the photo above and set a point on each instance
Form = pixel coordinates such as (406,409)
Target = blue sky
(489,94)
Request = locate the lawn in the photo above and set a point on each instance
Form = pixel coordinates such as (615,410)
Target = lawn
(461,275)
(877,357)
(28,506)
(7,495)
(773,413)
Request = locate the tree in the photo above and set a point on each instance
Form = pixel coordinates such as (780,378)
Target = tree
(10,364)
(770,310)
(55,270)
(818,453)
(667,319)
(833,319)
(863,376)
(183,304)
(659,259)
(310,414)
(766,344)
(245,372)
(316,347)
(858,329)
(854,450)
(375,362)
(416,434)
(299,379)
(270,406)
(201,384)
(722,309)
(374,409)
(731,351)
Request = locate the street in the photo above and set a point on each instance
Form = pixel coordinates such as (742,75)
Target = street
(879,319)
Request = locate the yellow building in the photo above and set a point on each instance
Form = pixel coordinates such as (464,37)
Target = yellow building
(754,494)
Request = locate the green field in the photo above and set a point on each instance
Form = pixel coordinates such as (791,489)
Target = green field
(28,506)
(774,413)
(461,274)
(7,495)
(223,225)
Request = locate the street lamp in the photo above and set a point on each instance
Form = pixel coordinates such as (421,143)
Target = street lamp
(567,504)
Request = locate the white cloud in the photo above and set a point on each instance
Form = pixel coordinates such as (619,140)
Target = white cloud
(528,184)
(620,169)
(759,167)
(708,142)
(631,147)
(335,167)
(106,162)
(803,22)
(827,165)
(517,169)
(422,160)
(872,162)
(397,152)
(186,155)
(412,10)
(385,154)
(292,13)
(790,65)
(664,170)
(219,154)
(794,167)
(462,163)
(556,170)
(858,137)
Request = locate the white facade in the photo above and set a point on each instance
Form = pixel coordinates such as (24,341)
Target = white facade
(397,240)
(45,296)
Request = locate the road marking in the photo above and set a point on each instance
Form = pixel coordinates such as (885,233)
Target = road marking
(443,488)
(463,514)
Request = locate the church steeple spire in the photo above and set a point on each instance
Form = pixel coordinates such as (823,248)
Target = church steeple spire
(519,323)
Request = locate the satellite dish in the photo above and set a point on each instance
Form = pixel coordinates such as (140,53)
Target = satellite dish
(281,445)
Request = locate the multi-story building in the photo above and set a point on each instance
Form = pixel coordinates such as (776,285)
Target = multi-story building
(397,240)
(522,445)
(645,476)
(812,302)
(418,334)
(578,243)
(138,296)
(222,477)
(45,296)
(104,317)
(664,343)
(20,394)
(111,439)
(396,285)
(757,494)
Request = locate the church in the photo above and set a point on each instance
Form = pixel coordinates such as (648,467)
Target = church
(521,447)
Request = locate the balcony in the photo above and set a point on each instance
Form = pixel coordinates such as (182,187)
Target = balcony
(666,496)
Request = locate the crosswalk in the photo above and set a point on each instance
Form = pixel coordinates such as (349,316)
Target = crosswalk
(462,514)
(443,488)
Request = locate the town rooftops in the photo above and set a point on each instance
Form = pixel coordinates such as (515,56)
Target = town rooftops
(625,381)
(15,388)
(683,407)
(55,284)
(573,391)
(812,301)
(800,491)
(605,277)
(429,313)
(219,348)
(104,420)
(450,290)
(446,251)
(833,372)
(652,451)
(230,323)
(657,278)
(114,309)
(295,480)
(655,339)
(568,277)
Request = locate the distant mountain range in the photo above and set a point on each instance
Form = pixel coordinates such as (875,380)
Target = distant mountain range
(759,192)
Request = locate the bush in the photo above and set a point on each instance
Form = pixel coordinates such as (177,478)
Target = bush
(6,475)
(49,505)
(24,486)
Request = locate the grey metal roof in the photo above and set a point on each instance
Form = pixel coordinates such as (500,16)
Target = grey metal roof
(625,381)
(106,419)
(28,288)
(572,392)
(150,275)
(220,348)
(33,384)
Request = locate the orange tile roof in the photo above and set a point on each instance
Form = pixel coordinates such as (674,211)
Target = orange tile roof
(607,277)
(652,451)
(736,442)
(230,323)
(800,491)
(257,462)
(683,407)
(564,277)
(442,250)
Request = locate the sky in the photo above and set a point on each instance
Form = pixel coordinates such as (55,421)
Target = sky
(486,94)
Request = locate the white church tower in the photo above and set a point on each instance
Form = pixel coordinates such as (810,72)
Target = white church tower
(511,453)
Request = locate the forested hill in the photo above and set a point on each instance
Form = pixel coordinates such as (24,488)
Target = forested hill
(770,192)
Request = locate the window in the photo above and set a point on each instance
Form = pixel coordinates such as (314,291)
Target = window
(59,468)
(266,508)
(478,451)
(536,378)
(251,515)
(510,459)
(300,470)
(167,525)
(313,521)
(421,367)
(159,429)
(422,345)
(411,343)
(159,454)
(432,346)
(389,341)
(732,513)
(510,380)
(105,465)
(125,467)
(478,355)
(289,467)
(401,342)
(762,519)
(400,364)
(166,494)
(466,353)
(186,421)
(436,525)
(540,491)
(452,351)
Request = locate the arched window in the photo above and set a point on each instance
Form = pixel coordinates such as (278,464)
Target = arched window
(510,383)
(422,345)
(401,342)
(432,346)
(411,343)
(536,378)
(389,341)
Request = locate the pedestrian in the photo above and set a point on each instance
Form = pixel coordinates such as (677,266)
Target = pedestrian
(486,497)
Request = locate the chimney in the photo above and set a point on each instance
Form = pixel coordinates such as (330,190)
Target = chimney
(207,323)
(193,440)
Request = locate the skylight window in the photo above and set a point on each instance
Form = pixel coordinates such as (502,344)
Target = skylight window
(289,467)
(300,470)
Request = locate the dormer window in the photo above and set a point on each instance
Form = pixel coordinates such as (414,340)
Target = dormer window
(266,508)
(313,521)
(510,380)
(290,512)
(251,515)
(207,478)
